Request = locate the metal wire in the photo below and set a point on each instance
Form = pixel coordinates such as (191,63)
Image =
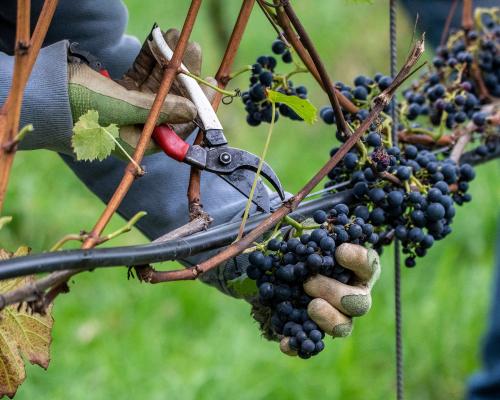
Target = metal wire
(397,255)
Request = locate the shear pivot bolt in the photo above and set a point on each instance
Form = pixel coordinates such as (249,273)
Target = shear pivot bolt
(225,158)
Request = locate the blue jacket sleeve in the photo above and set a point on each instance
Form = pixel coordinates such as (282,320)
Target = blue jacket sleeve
(99,27)
(46,90)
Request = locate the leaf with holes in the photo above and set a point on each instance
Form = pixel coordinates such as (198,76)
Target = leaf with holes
(92,141)
(22,334)
(303,107)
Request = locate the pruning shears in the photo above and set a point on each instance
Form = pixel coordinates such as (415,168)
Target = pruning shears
(235,166)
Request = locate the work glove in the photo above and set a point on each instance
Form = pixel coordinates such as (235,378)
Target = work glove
(145,75)
(127,102)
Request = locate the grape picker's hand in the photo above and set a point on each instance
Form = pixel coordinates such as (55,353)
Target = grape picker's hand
(127,102)
(145,75)
(335,303)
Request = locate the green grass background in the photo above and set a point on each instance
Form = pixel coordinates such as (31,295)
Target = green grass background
(115,338)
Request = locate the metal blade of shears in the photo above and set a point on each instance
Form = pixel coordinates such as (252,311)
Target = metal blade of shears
(242,181)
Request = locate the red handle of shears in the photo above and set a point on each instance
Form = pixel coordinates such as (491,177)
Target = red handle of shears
(170,143)
(104,72)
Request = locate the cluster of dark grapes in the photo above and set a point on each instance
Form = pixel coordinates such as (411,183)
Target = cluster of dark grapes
(264,77)
(282,268)
(449,94)
(446,97)
(488,52)
(418,205)
(420,210)
(448,105)
(480,46)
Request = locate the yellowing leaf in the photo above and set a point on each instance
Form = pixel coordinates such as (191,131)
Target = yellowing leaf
(92,141)
(303,107)
(22,334)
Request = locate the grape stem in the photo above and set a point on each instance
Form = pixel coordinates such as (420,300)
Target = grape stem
(11,145)
(82,236)
(257,174)
(425,132)
(229,93)
(246,68)
(299,228)
(298,70)
(417,183)
(139,170)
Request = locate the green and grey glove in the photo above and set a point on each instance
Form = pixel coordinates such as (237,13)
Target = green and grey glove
(89,90)
(127,102)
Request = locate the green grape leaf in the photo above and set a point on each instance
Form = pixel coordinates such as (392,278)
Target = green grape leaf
(303,107)
(92,141)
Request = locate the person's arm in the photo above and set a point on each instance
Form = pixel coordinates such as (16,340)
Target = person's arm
(47,87)
(99,28)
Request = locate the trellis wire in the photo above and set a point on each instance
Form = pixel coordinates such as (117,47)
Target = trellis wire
(397,254)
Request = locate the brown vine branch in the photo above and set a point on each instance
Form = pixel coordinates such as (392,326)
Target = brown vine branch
(130,171)
(222,78)
(224,71)
(379,103)
(56,279)
(466,135)
(447,24)
(467,17)
(292,38)
(26,50)
(414,138)
(323,74)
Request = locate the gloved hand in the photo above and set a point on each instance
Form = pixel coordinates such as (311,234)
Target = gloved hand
(127,102)
(335,303)
(145,75)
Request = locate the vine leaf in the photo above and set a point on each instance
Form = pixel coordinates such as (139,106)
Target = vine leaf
(303,107)
(22,334)
(92,141)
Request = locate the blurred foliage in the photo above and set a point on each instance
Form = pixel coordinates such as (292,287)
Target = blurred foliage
(115,338)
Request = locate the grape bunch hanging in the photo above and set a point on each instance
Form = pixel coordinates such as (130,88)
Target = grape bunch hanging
(283,265)
(263,77)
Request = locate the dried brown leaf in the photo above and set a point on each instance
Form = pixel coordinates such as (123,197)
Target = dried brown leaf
(22,334)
